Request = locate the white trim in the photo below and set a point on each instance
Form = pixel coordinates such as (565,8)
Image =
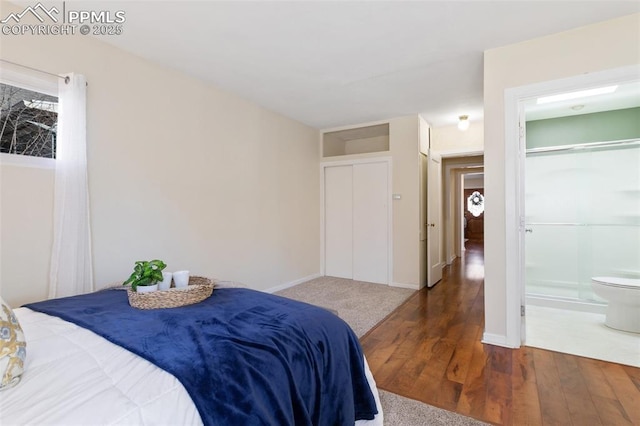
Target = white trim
(403,285)
(352,127)
(453,153)
(37,84)
(27,81)
(390,219)
(496,340)
(350,162)
(520,268)
(321,177)
(514,175)
(27,161)
(292,283)
(514,210)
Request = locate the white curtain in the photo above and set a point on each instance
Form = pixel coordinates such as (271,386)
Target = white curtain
(71,267)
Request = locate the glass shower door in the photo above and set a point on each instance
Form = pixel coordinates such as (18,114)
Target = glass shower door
(582,218)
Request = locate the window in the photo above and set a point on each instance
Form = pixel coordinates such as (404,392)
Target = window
(28,122)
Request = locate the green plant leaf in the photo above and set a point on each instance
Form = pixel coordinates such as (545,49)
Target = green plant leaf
(146,273)
(144,281)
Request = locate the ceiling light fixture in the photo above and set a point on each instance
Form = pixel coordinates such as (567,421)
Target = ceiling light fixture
(576,95)
(463,122)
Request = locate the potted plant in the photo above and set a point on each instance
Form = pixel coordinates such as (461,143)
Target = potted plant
(146,275)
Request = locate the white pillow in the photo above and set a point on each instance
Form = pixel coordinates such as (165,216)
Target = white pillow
(13,348)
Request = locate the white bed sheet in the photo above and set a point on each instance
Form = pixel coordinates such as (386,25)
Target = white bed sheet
(75,377)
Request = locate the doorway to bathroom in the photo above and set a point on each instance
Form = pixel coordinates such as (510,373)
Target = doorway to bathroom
(581,199)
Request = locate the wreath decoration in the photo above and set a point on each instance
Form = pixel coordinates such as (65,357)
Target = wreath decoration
(475,203)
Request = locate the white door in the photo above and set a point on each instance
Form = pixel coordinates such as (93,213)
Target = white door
(434,219)
(338,205)
(370,223)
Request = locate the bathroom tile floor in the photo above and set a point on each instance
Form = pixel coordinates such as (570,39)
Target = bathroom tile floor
(580,333)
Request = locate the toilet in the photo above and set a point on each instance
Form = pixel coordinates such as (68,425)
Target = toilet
(623,295)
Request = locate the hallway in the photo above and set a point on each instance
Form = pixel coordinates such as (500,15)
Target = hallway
(429,349)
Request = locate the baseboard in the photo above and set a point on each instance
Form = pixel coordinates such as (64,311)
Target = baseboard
(403,285)
(292,283)
(311,277)
(496,340)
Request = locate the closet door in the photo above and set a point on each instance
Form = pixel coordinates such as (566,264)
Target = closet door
(338,204)
(370,223)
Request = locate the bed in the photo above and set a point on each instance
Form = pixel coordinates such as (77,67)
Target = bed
(240,357)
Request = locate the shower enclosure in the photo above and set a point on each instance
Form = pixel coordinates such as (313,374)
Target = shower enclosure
(582,205)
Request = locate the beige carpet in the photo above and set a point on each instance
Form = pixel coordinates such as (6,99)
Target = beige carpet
(400,411)
(363,305)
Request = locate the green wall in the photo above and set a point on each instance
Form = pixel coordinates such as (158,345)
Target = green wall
(596,127)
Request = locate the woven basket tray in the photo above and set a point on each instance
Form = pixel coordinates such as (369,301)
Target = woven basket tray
(199,289)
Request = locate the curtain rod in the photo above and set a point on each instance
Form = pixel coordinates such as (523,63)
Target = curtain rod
(66,78)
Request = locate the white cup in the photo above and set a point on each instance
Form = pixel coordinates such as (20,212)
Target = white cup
(165,284)
(181,278)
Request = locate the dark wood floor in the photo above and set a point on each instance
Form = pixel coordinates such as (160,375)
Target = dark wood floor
(429,349)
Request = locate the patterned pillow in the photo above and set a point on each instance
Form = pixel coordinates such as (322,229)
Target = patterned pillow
(12,348)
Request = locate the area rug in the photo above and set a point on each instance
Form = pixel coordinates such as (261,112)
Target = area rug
(403,411)
(362,305)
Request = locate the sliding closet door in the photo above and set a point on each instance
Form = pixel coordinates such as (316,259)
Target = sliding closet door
(338,199)
(370,223)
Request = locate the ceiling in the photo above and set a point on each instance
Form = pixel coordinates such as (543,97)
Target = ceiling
(337,63)
(626,95)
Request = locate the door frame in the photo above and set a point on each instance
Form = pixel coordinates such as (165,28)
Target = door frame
(454,166)
(350,162)
(515,154)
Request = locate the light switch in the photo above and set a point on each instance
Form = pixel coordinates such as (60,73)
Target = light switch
(397,196)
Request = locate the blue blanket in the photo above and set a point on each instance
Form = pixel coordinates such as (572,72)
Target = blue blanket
(244,357)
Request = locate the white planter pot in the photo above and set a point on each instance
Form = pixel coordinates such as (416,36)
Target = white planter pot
(181,278)
(146,288)
(165,284)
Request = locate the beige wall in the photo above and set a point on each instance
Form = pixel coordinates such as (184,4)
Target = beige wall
(448,140)
(403,144)
(602,46)
(376,143)
(183,171)
(405,149)
(473,182)
(26,223)
(333,145)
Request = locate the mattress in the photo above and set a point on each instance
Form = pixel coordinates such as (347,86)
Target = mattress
(75,377)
